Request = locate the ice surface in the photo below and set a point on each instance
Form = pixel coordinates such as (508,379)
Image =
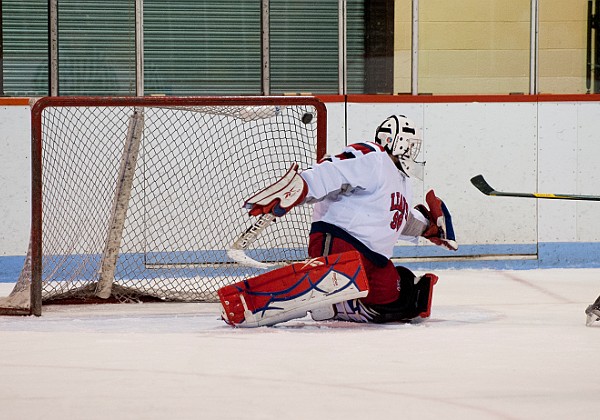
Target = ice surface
(499,345)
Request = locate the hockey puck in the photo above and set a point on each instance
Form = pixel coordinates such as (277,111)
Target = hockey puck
(307,118)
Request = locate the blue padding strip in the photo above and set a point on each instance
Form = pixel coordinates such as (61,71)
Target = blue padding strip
(501,257)
(10,268)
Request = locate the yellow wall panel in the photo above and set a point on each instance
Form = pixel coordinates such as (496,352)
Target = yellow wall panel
(403,11)
(563,10)
(466,45)
(402,36)
(558,63)
(474,35)
(503,63)
(562,84)
(475,10)
(562,35)
(511,10)
(450,63)
(402,71)
(453,35)
(562,46)
(473,86)
(457,11)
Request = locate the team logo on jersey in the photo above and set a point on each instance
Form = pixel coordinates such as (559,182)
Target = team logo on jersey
(400,208)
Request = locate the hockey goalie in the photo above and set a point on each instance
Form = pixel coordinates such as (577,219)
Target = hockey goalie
(362,207)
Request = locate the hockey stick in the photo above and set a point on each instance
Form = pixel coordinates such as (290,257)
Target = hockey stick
(282,187)
(236,250)
(481,184)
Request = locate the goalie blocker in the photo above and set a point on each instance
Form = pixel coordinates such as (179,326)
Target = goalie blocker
(329,288)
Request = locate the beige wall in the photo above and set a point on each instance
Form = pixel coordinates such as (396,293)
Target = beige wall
(562,51)
(482,46)
(402,44)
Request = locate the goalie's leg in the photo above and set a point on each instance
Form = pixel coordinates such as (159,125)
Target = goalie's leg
(290,292)
(416,294)
(414,302)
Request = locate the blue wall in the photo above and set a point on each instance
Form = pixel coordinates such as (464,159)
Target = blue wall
(549,255)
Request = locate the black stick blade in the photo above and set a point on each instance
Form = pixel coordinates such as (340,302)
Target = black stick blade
(481,184)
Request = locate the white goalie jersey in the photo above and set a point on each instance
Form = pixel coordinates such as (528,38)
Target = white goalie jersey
(381,196)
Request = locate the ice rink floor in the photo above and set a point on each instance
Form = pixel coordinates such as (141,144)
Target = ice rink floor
(499,345)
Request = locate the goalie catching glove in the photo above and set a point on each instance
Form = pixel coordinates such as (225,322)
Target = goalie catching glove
(440,230)
(279,197)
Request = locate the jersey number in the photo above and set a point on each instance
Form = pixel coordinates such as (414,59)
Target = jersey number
(400,208)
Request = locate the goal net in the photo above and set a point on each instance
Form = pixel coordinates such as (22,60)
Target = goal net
(139,198)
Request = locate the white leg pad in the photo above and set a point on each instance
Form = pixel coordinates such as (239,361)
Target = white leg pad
(332,289)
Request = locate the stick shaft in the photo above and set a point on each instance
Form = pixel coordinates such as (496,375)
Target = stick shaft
(482,185)
(236,250)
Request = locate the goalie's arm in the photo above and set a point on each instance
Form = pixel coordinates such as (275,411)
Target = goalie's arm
(328,178)
(269,203)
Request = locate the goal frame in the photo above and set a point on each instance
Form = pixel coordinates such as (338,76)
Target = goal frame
(36,252)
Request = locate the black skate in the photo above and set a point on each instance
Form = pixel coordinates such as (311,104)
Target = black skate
(593,312)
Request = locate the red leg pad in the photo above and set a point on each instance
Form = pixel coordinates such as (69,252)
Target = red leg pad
(298,287)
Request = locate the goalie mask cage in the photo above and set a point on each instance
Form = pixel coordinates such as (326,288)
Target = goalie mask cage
(137,198)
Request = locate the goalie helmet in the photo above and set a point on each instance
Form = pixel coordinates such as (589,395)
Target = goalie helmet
(399,136)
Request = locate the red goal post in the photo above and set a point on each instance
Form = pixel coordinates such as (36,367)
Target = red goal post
(137,198)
